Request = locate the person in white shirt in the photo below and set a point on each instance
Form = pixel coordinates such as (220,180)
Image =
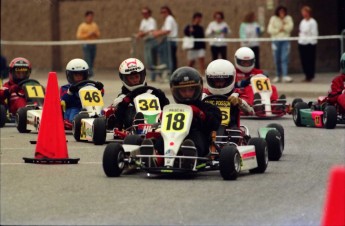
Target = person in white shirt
(147,26)
(306,45)
(169,30)
(218,29)
(280,26)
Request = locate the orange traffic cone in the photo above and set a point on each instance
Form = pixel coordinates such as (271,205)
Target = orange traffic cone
(51,144)
(334,211)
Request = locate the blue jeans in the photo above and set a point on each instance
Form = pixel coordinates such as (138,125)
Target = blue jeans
(281,52)
(70,113)
(150,54)
(167,54)
(89,51)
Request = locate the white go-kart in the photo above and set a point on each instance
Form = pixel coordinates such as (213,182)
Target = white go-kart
(180,153)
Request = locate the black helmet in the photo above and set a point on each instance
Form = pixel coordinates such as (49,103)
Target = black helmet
(186,79)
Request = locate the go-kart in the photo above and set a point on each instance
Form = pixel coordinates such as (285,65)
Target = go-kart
(89,124)
(273,133)
(28,118)
(263,107)
(318,114)
(180,153)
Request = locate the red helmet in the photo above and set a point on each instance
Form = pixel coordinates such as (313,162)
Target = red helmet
(19,69)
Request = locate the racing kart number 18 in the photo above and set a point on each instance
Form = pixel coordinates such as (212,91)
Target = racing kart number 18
(34,91)
(174,122)
(148,104)
(262,84)
(91,97)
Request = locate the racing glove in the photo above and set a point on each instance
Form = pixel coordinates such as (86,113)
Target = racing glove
(234,99)
(14,89)
(72,89)
(99,85)
(198,113)
(63,105)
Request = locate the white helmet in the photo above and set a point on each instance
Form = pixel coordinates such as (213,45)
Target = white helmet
(244,59)
(77,66)
(132,66)
(220,77)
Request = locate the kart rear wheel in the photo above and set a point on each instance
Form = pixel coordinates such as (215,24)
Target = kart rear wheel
(3,117)
(113,160)
(99,132)
(280,128)
(330,117)
(21,120)
(295,101)
(76,128)
(274,145)
(261,154)
(229,162)
(296,115)
(133,140)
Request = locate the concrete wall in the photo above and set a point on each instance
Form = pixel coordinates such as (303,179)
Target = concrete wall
(31,20)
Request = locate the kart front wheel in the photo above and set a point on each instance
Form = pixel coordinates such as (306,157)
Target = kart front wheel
(113,160)
(3,117)
(21,120)
(295,101)
(76,128)
(133,140)
(280,129)
(99,131)
(229,162)
(296,115)
(261,154)
(274,145)
(330,117)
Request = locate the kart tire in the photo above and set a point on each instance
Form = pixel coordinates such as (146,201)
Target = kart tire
(274,145)
(21,120)
(76,128)
(280,128)
(295,101)
(3,117)
(330,117)
(296,114)
(261,154)
(99,132)
(133,140)
(229,162)
(113,160)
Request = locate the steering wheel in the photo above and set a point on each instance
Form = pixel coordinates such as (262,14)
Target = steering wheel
(81,84)
(24,82)
(215,97)
(142,90)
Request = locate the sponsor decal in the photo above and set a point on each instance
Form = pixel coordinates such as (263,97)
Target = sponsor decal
(169,152)
(88,132)
(249,155)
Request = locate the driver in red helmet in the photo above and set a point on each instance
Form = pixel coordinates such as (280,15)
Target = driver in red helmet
(19,70)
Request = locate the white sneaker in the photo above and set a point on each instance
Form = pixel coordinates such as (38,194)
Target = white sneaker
(276,79)
(287,79)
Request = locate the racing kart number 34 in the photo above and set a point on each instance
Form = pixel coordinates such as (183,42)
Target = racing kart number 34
(148,104)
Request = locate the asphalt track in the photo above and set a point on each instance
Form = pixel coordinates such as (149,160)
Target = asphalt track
(291,192)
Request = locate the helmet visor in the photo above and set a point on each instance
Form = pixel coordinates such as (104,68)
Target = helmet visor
(134,79)
(78,76)
(245,63)
(186,93)
(219,81)
(21,73)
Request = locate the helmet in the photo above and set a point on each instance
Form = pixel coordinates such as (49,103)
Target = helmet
(182,78)
(77,66)
(17,66)
(129,67)
(342,63)
(244,59)
(220,77)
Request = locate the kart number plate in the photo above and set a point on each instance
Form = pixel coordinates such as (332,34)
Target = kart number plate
(225,115)
(148,104)
(91,98)
(175,122)
(34,91)
(262,85)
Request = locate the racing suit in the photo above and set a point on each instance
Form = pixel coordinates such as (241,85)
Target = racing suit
(244,88)
(337,93)
(9,97)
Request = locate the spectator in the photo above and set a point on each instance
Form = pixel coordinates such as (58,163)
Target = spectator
(218,29)
(306,45)
(147,26)
(249,28)
(170,30)
(280,26)
(89,30)
(198,50)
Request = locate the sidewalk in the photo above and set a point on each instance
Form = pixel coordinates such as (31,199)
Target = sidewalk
(318,87)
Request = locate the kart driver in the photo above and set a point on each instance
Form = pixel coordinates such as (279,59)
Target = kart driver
(19,70)
(336,95)
(220,79)
(77,70)
(132,73)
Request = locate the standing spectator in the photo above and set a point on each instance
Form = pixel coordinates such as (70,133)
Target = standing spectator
(89,30)
(249,28)
(306,45)
(198,50)
(280,26)
(170,30)
(218,29)
(147,26)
